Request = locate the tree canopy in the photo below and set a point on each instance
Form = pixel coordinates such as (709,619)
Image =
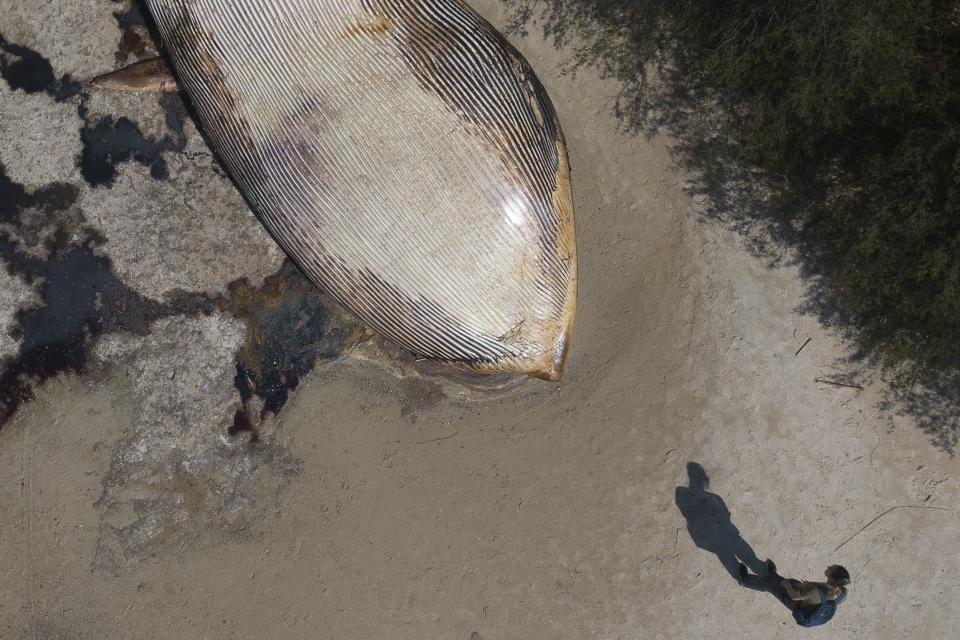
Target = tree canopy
(850,109)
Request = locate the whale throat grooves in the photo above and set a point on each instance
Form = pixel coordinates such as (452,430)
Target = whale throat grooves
(404,155)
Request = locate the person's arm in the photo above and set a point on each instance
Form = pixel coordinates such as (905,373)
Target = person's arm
(804,593)
(792,593)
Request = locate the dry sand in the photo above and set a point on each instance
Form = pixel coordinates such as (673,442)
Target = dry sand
(380,504)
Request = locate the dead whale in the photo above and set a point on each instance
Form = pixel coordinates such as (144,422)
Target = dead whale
(404,155)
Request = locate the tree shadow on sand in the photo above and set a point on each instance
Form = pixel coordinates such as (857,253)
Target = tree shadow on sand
(710,525)
(661,90)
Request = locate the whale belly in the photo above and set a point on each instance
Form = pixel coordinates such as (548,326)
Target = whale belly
(404,155)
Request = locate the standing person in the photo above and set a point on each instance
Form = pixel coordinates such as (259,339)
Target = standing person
(812,603)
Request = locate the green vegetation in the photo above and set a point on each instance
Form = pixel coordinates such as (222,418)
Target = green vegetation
(848,110)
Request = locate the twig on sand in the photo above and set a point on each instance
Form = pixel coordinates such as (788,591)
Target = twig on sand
(899,506)
(874,450)
(861,569)
(438,439)
(839,384)
(675,538)
(801,347)
(876,446)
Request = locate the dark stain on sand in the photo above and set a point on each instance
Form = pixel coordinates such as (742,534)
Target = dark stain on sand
(82,300)
(135,39)
(109,142)
(26,70)
(292,325)
(419,394)
(15,198)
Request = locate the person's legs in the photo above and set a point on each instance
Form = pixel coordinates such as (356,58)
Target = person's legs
(780,593)
(762,583)
(770,584)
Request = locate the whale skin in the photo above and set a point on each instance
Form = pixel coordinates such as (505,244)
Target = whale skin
(407,159)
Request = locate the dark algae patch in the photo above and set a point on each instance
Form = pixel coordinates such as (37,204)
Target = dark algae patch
(108,142)
(82,299)
(292,326)
(135,40)
(15,198)
(26,70)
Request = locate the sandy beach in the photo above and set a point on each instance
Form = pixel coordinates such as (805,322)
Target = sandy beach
(384,500)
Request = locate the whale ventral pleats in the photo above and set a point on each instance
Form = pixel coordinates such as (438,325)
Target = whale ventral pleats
(405,156)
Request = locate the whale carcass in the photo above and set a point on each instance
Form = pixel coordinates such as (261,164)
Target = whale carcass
(404,155)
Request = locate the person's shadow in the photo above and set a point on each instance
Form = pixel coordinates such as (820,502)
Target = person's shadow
(708,521)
